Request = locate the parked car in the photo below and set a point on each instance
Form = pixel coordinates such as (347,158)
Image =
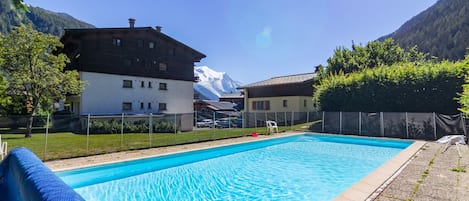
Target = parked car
(226,123)
(205,123)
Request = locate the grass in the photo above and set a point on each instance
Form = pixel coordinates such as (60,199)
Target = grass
(69,145)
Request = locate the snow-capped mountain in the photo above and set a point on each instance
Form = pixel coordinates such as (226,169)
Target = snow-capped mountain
(213,84)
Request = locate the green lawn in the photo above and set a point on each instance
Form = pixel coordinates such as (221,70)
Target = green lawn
(68,145)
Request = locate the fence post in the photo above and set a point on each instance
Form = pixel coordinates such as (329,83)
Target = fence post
(359,123)
(463,122)
(213,125)
(340,122)
(47,133)
(255,119)
(276,117)
(195,124)
(323,121)
(87,133)
(286,120)
(307,116)
(434,124)
(382,123)
(243,119)
(122,130)
(175,128)
(175,124)
(292,119)
(407,125)
(150,127)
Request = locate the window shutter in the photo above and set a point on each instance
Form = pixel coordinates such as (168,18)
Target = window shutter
(267,105)
(254,105)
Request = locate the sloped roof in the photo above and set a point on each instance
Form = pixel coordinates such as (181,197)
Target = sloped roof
(199,55)
(288,79)
(232,95)
(220,106)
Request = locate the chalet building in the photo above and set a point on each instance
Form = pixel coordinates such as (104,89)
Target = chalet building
(292,93)
(236,98)
(132,70)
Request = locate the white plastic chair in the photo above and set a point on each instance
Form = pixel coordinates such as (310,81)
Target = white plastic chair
(271,126)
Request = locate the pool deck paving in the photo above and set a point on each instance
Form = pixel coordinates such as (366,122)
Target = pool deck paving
(432,175)
(421,172)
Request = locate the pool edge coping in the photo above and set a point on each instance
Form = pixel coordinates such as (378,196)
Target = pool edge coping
(367,187)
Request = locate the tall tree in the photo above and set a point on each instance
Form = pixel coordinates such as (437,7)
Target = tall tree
(373,54)
(34,71)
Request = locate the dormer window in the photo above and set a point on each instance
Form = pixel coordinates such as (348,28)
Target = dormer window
(117,42)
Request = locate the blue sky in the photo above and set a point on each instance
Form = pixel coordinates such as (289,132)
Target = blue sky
(253,40)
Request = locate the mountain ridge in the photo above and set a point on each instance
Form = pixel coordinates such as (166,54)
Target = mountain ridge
(441,30)
(41,19)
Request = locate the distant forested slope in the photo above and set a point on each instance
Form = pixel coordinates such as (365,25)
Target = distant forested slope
(41,19)
(442,30)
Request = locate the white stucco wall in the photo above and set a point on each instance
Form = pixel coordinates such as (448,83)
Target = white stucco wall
(105,94)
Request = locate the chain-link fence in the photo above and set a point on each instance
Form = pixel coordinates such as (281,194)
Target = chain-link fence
(65,136)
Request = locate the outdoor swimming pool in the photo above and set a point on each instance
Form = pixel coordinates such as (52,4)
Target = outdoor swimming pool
(304,167)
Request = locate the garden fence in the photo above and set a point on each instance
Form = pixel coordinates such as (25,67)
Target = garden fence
(96,134)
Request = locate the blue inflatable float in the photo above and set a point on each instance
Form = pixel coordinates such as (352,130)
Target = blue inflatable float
(23,177)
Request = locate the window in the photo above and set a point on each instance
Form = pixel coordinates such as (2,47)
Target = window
(285,103)
(162,106)
(142,84)
(151,45)
(163,67)
(149,84)
(139,43)
(163,86)
(261,105)
(117,42)
(141,106)
(149,105)
(126,106)
(127,84)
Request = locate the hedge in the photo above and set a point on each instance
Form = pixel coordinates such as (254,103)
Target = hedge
(403,87)
(114,126)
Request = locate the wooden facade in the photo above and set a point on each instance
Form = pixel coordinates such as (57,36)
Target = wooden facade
(134,51)
(294,89)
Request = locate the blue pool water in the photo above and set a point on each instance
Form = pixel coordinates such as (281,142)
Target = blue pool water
(305,167)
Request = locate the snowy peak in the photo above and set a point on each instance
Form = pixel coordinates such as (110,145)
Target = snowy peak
(213,84)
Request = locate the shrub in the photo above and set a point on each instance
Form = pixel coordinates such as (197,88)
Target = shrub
(404,87)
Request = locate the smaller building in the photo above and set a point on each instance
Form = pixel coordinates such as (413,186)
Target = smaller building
(291,93)
(236,98)
(211,106)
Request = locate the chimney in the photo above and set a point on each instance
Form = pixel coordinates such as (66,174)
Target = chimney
(131,23)
(158,28)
